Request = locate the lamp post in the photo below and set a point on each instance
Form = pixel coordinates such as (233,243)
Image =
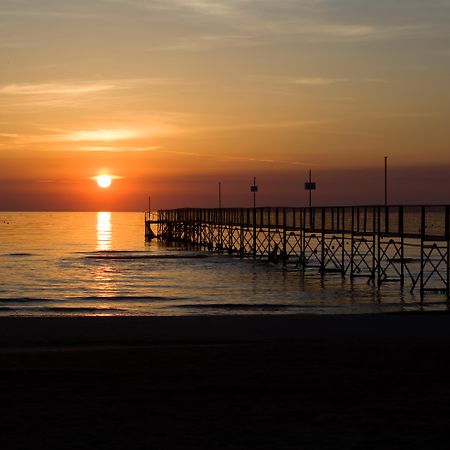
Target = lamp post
(310,186)
(385,182)
(220,245)
(254,189)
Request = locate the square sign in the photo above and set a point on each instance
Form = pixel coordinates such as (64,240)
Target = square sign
(253,188)
(310,186)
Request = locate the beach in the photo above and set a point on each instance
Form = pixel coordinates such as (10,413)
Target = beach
(281,382)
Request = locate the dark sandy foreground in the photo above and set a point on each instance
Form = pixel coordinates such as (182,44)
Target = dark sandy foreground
(292,382)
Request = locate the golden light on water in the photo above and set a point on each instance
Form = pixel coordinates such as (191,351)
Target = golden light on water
(104,231)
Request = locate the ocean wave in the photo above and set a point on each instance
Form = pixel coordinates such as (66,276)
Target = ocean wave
(93,298)
(25,300)
(18,255)
(240,306)
(125,298)
(62,309)
(144,256)
(79,309)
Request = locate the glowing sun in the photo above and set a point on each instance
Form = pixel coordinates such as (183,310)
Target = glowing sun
(104,181)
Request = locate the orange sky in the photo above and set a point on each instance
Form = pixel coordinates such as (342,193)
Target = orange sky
(173,96)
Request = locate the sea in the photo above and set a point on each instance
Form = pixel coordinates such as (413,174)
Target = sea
(99,264)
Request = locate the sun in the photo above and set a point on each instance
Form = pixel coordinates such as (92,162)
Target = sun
(104,181)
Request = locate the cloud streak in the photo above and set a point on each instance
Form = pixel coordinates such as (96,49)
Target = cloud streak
(255,126)
(101,135)
(56,88)
(318,81)
(118,149)
(363,32)
(83,87)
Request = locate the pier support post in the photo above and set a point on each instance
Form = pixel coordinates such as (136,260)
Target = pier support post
(342,221)
(322,243)
(254,232)
(422,250)
(242,229)
(352,244)
(372,244)
(402,245)
(284,236)
(378,236)
(269,234)
(303,238)
(447,238)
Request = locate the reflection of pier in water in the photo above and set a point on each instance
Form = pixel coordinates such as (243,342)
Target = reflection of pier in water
(405,244)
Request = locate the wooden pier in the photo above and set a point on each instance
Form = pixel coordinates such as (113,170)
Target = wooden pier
(405,244)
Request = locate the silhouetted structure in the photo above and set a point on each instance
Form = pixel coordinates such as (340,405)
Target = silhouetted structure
(407,244)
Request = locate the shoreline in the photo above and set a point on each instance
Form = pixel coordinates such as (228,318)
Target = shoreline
(151,330)
(226,382)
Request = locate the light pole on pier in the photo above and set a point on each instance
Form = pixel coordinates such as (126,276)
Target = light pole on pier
(310,186)
(385,182)
(254,189)
(220,244)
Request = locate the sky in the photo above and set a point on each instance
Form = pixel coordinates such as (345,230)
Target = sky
(171,97)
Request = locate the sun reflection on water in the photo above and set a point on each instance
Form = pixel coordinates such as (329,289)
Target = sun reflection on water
(104,231)
(104,280)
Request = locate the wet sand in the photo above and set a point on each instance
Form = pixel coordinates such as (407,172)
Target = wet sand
(247,382)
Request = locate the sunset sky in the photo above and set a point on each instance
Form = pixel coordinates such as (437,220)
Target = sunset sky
(172,96)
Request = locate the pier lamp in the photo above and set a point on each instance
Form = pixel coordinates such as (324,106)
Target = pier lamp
(310,186)
(254,189)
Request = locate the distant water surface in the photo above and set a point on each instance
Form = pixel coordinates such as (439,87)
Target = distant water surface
(99,264)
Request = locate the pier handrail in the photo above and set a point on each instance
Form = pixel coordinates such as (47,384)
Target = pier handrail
(427,221)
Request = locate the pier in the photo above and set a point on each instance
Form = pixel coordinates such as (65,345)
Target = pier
(409,245)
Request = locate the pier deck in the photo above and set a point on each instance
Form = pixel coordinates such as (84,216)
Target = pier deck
(405,244)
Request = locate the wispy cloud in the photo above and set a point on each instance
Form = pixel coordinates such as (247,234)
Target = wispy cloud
(361,32)
(318,81)
(350,30)
(117,149)
(101,135)
(80,93)
(313,81)
(221,23)
(82,87)
(232,158)
(51,13)
(173,152)
(314,30)
(377,80)
(55,88)
(97,137)
(197,43)
(208,7)
(227,158)
(114,138)
(257,125)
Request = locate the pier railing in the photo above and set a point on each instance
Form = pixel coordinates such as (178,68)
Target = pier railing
(409,221)
(385,243)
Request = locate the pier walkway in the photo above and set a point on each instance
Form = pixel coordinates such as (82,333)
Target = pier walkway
(405,244)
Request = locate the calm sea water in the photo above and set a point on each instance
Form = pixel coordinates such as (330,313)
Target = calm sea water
(99,264)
